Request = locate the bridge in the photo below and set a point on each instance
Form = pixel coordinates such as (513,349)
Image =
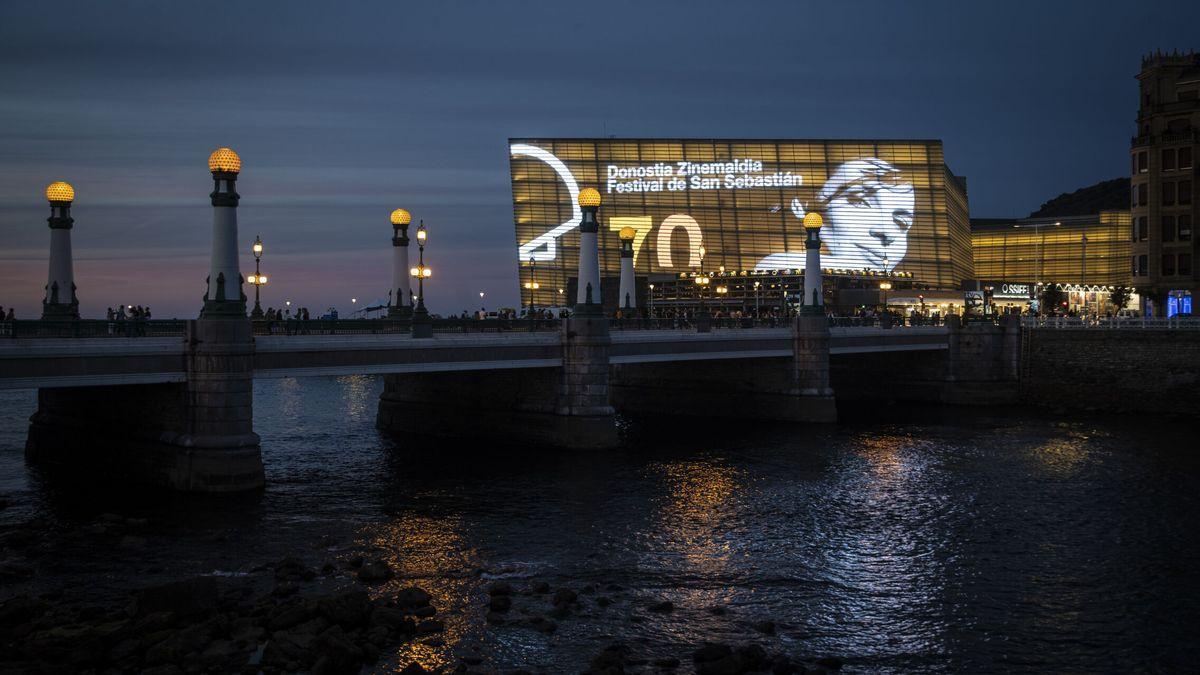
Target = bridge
(322,349)
(170,403)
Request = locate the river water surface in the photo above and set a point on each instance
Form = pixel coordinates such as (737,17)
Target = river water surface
(902,540)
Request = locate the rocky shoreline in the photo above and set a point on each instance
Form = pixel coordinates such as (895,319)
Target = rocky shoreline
(347,615)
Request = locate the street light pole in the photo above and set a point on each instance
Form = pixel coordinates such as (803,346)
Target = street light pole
(257,279)
(422,326)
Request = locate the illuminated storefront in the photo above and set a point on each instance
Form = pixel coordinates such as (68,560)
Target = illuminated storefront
(892,209)
(1081,257)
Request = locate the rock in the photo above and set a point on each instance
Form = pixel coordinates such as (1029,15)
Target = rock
(494,618)
(285,589)
(427,626)
(348,609)
(388,617)
(603,601)
(753,657)
(830,662)
(356,562)
(374,571)
(4,503)
(328,569)
(185,598)
(219,652)
(335,653)
(500,588)
(287,616)
(175,648)
(500,603)
(666,662)
(710,652)
(413,668)
(766,627)
(412,597)
(539,588)
(131,541)
(291,569)
(717,610)
(370,653)
(664,607)
(424,612)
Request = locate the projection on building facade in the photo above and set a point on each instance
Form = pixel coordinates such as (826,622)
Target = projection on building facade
(888,206)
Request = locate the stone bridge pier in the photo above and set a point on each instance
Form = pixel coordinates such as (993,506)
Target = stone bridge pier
(793,388)
(194,436)
(565,406)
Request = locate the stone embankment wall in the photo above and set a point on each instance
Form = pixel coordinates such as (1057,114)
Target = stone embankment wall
(1126,370)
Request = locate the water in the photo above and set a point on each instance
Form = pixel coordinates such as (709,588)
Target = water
(901,540)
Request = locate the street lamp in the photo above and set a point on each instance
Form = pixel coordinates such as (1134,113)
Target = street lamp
(757,306)
(652,300)
(532,284)
(257,278)
(481,307)
(422,327)
(288,303)
(812,266)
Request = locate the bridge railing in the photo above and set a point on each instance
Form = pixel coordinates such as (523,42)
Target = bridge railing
(1082,323)
(399,326)
(92,328)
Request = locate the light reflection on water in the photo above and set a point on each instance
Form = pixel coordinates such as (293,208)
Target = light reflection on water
(978,542)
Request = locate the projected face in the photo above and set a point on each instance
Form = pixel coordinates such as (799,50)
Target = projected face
(868,210)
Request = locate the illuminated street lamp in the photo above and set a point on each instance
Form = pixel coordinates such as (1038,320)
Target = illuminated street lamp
(587,295)
(257,278)
(627,295)
(757,305)
(651,300)
(400,295)
(422,326)
(60,301)
(811,300)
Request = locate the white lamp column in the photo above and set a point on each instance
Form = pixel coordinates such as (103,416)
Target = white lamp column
(60,301)
(627,300)
(401,304)
(224,298)
(813,299)
(587,296)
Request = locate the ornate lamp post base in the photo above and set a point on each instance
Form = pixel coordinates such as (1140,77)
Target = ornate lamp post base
(422,325)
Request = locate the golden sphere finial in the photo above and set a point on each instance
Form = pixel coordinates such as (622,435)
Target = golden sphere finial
(813,221)
(627,233)
(401,217)
(224,159)
(60,191)
(589,197)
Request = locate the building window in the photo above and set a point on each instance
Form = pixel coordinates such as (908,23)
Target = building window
(1185,227)
(1142,228)
(1168,265)
(1143,197)
(1185,265)
(1168,228)
(1168,159)
(1143,164)
(1185,158)
(1185,192)
(1168,194)
(1141,265)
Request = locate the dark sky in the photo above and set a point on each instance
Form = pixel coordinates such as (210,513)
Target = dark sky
(344,111)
